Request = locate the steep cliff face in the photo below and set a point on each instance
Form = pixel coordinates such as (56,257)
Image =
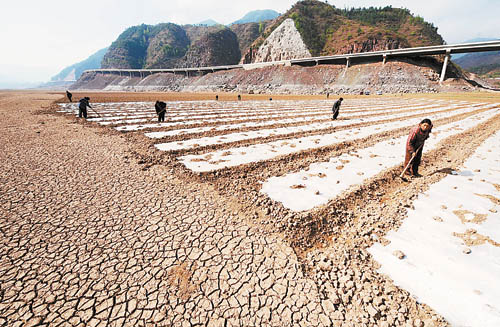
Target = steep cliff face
(248,33)
(284,43)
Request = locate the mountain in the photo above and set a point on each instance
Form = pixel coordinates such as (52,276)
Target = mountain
(326,30)
(74,71)
(173,46)
(146,46)
(208,22)
(309,28)
(257,16)
(486,64)
(480,62)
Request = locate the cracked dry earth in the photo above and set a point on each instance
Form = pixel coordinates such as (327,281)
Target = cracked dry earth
(101,229)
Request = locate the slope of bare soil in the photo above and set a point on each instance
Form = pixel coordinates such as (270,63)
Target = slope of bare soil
(393,77)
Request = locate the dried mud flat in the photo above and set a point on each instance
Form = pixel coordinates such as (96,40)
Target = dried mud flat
(101,228)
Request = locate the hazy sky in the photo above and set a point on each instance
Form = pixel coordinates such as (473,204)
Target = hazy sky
(39,38)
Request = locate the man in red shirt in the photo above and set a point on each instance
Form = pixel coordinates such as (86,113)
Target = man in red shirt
(415,145)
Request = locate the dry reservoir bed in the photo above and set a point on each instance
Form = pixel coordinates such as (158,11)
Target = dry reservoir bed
(253,213)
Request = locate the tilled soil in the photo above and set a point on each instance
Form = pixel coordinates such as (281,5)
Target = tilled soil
(101,228)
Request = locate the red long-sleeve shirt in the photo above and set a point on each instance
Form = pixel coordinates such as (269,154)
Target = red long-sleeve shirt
(416,138)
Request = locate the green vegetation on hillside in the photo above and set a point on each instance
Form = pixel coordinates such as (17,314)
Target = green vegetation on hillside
(131,49)
(398,20)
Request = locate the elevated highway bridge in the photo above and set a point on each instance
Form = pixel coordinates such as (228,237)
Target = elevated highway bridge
(345,59)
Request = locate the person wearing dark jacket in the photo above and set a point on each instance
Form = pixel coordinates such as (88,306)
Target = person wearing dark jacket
(415,146)
(69,95)
(82,108)
(160,108)
(336,108)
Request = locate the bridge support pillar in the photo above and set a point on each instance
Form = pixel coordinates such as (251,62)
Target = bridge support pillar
(347,64)
(445,65)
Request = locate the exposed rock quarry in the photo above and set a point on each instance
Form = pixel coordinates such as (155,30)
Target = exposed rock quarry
(283,44)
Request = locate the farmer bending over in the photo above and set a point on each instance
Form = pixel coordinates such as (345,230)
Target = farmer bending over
(160,108)
(336,108)
(415,145)
(84,103)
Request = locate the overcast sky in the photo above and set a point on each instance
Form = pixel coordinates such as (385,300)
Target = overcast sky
(39,38)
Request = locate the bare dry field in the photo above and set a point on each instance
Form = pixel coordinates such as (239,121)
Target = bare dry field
(175,96)
(239,213)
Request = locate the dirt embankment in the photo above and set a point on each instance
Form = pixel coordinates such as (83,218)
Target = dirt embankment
(392,77)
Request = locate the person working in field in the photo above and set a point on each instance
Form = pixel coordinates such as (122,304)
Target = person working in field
(160,108)
(69,95)
(415,146)
(82,108)
(336,108)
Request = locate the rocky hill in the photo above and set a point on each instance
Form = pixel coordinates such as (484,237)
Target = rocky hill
(171,46)
(326,30)
(214,48)
(146,46)
(247,33)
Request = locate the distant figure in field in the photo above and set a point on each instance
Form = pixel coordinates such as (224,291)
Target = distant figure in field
(216,97)
(160,108)
(327,95)
(82,108)
(336,108)
(270,99)
(239,97)
(415,145)
(69,95)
